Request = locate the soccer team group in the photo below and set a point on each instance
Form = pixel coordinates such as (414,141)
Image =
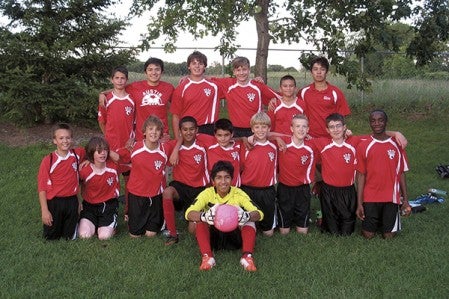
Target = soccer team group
(262,162)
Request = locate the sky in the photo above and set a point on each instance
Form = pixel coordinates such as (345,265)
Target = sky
(131,37)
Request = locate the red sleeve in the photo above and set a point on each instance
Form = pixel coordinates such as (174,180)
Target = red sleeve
(43,174)
(176,100)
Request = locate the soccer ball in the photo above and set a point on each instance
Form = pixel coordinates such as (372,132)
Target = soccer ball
(226,218)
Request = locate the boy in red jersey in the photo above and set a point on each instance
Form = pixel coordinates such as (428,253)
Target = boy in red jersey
(225,148)
(259,167)
(289,105)
(58,182)
(151,97)
(381,181)
(147,179)
(100,190)
(244,97)
(196,96)
(321,98)
(202,213)
(190,176)
(337,156)
(116,119)
(296,173)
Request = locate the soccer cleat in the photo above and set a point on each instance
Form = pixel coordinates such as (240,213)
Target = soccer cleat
(171,240)
(207,262)
(248,263)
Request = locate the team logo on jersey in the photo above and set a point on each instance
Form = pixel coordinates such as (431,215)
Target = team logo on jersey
(128,110)
(110,181)
(271,156)
(75,166)
(347,157)
(158,164)
(197,158)
(326,98)
(152,98)
(251,96)
(207,91)
(235,155)
(304,159)
(391,153)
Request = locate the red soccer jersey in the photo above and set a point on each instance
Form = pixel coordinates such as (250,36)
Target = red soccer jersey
(150,100)
(100,186)
(296,164)
(259,165)
(199,99)
(321,103)
(215,153)
(191,169)
(147,177)
(281,117)
(338,161)
(118,117)
(243,101)
(61,177)
(383,163)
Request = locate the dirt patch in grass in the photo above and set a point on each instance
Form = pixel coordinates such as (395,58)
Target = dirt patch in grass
(14,136)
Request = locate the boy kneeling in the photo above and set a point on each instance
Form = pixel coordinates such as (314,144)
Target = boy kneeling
(203,209)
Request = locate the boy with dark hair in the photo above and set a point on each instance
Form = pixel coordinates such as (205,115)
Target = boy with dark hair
(202,212)
(58,184)
(244,97)
(289,105)
(100,190)
(321,98)
(196,96)
(259,167)
(381,183)
(296,173)
(190,176)
(151,97)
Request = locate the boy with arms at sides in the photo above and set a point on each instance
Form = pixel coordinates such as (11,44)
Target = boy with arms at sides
(244,97)
(202,212)
(196,96)
(147,179)
(151,97)
(283,111)
(338,161)
(259,167)
(296,173)
(116,119)
(321,98)
(381,181)
(190,176)
(100,190)
(58,182)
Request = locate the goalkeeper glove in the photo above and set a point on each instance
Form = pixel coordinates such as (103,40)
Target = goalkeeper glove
(243,216)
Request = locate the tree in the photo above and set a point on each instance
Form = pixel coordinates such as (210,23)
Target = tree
(322,23)
(54,55)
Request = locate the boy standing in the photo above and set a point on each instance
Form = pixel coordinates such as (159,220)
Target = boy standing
(58,182)
(196,96)
(381,181)
(147,179)
(259,167)
(296,172)
(289,105)
(202,212)
(244,97)
(190,176)
(321,98)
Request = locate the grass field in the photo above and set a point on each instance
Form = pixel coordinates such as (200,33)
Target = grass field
(415,264)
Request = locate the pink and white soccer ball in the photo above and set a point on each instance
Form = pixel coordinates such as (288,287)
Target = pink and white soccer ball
(226,218)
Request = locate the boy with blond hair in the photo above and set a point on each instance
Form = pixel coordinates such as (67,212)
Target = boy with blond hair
(259,167)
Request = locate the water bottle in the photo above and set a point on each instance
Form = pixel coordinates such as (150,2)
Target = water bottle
(319,218)
(437,192)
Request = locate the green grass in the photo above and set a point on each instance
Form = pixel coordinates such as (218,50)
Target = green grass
(414,264)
